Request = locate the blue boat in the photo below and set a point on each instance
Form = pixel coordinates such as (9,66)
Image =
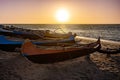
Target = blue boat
(11,45)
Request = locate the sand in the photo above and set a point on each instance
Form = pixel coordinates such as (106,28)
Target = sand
(96,66)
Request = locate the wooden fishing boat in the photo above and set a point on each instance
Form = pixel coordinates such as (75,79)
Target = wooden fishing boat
(38,55)
(32,34)
(1,26)
(21,34)
(109,51)
(51,35)
(10,45)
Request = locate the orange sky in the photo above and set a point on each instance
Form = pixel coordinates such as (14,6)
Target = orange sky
(43,11)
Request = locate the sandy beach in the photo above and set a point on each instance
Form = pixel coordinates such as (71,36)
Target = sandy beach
(96,66)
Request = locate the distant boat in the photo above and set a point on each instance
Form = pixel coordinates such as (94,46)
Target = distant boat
(49,34)
(21,34)
(38,55)
(10,45)
(34,34)
(109,51)
(1,26)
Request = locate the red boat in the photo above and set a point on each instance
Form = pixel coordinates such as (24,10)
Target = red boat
(39,55)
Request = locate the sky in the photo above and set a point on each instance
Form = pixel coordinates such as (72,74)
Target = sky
(44,11)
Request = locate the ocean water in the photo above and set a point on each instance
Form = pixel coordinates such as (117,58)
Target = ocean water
(105,31)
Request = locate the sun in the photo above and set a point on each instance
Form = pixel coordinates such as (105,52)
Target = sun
(62,15)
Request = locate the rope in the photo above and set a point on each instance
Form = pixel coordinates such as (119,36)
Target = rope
(60,29)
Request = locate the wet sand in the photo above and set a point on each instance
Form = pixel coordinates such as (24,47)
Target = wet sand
(96,66)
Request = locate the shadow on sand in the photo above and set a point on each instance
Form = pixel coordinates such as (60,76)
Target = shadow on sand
(18,67)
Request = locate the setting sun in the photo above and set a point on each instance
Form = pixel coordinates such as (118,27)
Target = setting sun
(62,15)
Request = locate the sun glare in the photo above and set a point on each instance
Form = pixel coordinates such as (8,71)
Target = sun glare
(62,15)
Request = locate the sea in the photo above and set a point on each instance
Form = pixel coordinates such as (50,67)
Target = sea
(105,31)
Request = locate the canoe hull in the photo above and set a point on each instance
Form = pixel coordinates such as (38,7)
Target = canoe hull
(30,36)
(114,51)
(37,55)
(58,57)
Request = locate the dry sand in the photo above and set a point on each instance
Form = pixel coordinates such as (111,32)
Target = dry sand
(96,66)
